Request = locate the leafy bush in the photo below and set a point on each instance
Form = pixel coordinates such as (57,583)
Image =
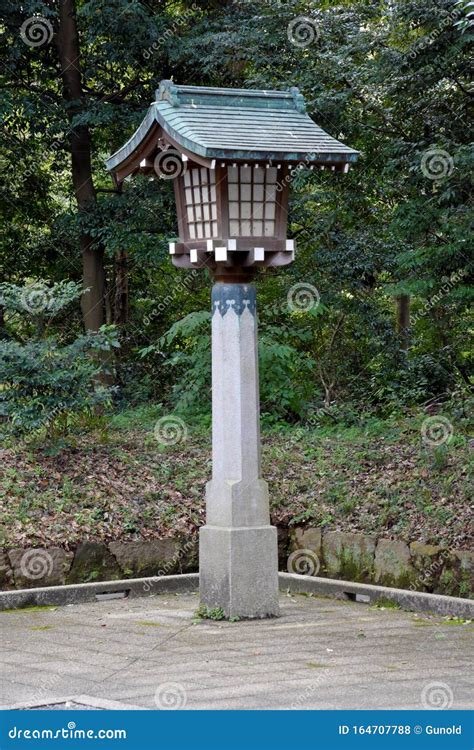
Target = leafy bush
(286,374)
(45,384)
(186,349)
(419,377)
(41,383)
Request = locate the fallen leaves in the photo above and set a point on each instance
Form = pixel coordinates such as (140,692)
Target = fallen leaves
(126,489)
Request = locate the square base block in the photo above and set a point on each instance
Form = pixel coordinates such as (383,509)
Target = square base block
(238,570)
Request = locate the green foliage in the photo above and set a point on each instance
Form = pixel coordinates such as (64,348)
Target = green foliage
(186,348)
(286,372)
(388,79)
(46,385)
(31,308)
(206,613)
(383,603)
(186,352)
(39,298)
(43,384)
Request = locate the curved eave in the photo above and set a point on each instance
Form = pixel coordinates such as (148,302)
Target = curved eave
(132,147)
(142,144)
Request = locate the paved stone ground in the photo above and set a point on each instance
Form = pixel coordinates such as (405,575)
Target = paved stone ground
(320,653)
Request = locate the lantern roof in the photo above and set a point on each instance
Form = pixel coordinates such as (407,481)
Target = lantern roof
(231,124)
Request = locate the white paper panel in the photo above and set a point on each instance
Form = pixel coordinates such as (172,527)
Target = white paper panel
(269,228)
(270,193)
(269,210)
(232,174)
(246,210)
(245,174)
(271,174)
(245,192)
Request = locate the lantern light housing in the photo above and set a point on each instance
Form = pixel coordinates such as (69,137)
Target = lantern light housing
(231,154)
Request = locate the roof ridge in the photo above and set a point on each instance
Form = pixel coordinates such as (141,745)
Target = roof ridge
(231,124)
(178,95)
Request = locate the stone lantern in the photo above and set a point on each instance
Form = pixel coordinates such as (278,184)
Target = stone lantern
(231,154)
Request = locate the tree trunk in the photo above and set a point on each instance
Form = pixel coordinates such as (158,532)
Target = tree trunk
(67,40)
(121,288)
(403,320)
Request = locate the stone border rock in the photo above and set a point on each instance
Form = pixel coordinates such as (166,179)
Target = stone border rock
(380,561)
(94,561)
(342,555)
(414,601)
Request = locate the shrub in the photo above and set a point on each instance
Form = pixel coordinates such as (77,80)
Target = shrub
(45,384)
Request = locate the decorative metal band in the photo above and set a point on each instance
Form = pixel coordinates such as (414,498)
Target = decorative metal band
(237,297)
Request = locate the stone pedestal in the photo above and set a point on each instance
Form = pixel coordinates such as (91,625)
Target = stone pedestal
(238,547)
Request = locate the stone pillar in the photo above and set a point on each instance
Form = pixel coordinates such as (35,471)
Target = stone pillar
(238,559)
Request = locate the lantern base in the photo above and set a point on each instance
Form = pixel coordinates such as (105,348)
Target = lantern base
(238,570)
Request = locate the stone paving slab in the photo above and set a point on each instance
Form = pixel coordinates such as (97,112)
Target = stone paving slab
(151,653)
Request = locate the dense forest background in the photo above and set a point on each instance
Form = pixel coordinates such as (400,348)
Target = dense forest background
(386,246)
